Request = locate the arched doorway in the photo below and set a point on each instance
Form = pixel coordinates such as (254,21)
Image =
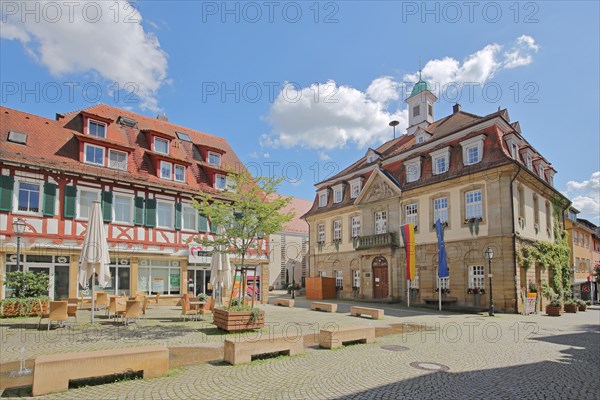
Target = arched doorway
(380,277)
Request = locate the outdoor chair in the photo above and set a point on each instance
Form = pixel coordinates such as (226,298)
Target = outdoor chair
(208,307)
(72,310)
(117,304)
(145,306)
(44,312)
(132,311)
(83,301)
(157,297)
(73,300)
(186,310)
(101,300)
(58,312)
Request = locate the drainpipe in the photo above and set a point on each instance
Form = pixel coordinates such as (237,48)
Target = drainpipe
(514,235)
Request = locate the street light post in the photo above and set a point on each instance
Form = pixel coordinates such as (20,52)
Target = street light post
(489,254)
(19,228)
(293,279)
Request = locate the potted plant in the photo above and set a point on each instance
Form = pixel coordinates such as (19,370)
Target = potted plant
(532,290)
(246,212)
(571,306)
(582,305)
(554,307)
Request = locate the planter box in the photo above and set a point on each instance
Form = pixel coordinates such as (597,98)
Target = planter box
(553,311)
(571,308)
(583,307)
(234,321)
(13,309)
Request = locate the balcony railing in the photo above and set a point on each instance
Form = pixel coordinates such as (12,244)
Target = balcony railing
(381,240)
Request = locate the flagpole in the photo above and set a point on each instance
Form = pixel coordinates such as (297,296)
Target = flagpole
(408,292)
(439,293)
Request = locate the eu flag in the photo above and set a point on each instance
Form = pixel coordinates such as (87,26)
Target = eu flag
(442,262)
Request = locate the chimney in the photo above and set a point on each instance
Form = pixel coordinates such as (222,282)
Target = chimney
(162,117)
(456,108)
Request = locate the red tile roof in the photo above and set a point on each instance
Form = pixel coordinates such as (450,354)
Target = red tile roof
(53,144)
(299,207)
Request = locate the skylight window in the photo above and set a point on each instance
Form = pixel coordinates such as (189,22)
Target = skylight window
(17,137)
(183,136)
(130,122)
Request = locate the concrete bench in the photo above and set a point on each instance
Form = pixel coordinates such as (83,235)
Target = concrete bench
(241,352)
(330,338)
(284,302)
(375,313)
(327,307)
(52,372)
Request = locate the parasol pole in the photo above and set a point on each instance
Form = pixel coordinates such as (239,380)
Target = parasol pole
(92,286)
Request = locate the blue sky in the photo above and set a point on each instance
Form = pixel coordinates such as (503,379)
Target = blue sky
(304,88)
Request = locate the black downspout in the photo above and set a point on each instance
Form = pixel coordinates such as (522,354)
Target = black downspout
(514,236)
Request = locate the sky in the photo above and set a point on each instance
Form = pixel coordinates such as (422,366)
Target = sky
(302,89)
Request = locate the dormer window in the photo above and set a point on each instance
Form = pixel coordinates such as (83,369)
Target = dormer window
(220,182)
(323,199)
(161,145)
(93,154)
(117,160)
(514,150)
(529,161)
(179,174)
(355,187)
(338,193)
(166,170)
(420,139)
(413,170)
(370,159)
(440,160)
(472,150)
(96,128)
(214,158)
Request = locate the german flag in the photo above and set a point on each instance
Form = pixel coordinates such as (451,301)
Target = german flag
(408,235)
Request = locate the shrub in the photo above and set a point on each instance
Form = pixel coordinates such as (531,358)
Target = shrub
(15,307)
(27,284)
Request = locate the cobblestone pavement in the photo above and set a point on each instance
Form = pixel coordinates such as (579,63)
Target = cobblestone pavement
(458,356)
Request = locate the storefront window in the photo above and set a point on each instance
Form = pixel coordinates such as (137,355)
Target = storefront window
(159,276)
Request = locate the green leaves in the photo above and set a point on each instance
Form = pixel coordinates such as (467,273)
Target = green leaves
(27,284)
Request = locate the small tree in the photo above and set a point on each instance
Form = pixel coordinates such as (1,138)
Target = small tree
(27,284)
(246,211)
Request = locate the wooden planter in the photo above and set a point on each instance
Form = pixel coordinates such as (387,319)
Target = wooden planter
(553,311)
(583,307)
(571,308)
(13,309)
(234,321)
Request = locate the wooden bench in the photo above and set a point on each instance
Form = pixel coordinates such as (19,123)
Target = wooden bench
(241,352)
(284,302)
(52,372)
(375,313)
(330,338)
(327,307)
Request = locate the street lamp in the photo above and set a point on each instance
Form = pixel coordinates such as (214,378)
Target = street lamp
(293,279)
(19,228)
(489,254)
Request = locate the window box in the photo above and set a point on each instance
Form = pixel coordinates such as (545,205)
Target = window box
(473,220)
(476,291)
(444,290)
(444,224)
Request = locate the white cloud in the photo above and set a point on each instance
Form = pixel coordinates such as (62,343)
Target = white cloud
(79,39)
(521,53)
(328,116)
(479,67)
(586,196)
(323,156)
(266,155)
(383,89)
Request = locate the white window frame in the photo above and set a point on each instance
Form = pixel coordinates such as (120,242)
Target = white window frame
(476,277)
(442,154)
(356,278)
(474,142)
(411,214)
(429,109)
(338,193)
(339,278)
(413,170)
(443,282)
(212,153)
(380,222)
(131,208)
(322,198)
(439,211)
(514,150)
(355,187)
(416,111)
(85,160)
(111,165)
(218,178)
(420,139)
(167,141)
(175,167)
(473,205)
(194,212)
(160,170)
(90,121)
(321,233)
(171,206)
(355,226)
(78,203)
(337,230)
(18,182)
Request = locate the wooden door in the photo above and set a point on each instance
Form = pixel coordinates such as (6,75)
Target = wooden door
(380,278)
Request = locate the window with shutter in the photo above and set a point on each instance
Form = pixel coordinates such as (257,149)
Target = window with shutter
(138,218)
(178,216)
(202,223)
(107,200)
(70,201)
(151,213)
(49,199)
(7,184)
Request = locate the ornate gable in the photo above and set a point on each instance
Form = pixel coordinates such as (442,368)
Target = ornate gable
(378,187)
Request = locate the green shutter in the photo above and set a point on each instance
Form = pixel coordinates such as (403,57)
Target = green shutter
(260,235)
(49,199)
(107,200)
(138,217)
(202,223)
(178,216)
(70,198)
(151,213)
(7,184)
(213,227)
